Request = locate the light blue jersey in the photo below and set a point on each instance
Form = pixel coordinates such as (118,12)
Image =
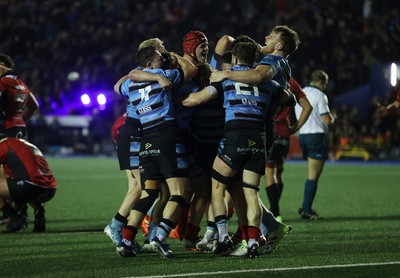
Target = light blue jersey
(153,103)
(281,67)
(248,102)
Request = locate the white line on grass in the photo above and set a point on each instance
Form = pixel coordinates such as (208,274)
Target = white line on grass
(268,270)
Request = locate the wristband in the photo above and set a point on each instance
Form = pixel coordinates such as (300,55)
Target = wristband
(212,90)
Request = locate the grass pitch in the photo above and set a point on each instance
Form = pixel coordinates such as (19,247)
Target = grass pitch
(358,237)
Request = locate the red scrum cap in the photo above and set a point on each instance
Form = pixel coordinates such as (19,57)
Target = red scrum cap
(191,40)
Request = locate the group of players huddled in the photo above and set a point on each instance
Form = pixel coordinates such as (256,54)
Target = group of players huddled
(196,140)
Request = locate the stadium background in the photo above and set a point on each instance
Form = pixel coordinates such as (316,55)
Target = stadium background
(353,41)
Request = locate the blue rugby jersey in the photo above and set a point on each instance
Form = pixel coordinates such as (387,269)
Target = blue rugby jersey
(124,90)
(246,102)
(153,104)
(281,66)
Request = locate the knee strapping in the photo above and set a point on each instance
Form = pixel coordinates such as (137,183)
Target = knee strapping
(178,199)
(251,186)
(220,178)
(144,204)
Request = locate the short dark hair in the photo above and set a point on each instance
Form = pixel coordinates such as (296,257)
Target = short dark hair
(319,75)
(6,61)
(290,39)
(145,55)
(246,52)
(245,38)
(242,38)
(226,58)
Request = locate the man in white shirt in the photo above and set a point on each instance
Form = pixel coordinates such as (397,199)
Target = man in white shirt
(313,139)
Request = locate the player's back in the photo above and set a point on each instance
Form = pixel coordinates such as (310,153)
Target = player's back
(14,98)
(23,160)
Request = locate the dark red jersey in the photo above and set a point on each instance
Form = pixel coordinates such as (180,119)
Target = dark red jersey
(282,121)
(13,99)
(23,161)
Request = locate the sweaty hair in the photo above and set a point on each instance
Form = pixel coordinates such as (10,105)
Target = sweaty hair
(150,42)
(319,75)
(290,38)
(6,61)
(202,78)
(145,55)
(246,52)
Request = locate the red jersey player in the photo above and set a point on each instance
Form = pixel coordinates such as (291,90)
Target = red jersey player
(25,177)
(17,102)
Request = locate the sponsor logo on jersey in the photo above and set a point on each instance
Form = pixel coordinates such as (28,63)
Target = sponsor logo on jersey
(144,109)
(251,143)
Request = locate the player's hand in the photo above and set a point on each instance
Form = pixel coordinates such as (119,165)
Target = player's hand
(217,76)
(164,82)
(293,129)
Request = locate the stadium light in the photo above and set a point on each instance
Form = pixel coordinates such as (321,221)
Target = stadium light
(101,99)
(85,99)
(393,74)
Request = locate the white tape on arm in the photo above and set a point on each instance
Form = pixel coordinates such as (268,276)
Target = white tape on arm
(212,90)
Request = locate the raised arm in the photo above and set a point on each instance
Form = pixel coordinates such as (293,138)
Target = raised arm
(260,74)
(223,45)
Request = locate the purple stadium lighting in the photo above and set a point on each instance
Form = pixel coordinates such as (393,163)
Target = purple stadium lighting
(85,99)
(101,99)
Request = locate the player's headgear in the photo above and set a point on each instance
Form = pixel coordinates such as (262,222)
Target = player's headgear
(191,40)
(6,61)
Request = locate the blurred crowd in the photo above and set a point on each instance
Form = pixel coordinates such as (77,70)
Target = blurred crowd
(98,38)
(379,136)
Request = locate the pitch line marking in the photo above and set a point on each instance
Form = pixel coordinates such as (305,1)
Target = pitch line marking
(268,270)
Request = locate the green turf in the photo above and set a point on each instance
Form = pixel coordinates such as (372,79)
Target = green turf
(361,225)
